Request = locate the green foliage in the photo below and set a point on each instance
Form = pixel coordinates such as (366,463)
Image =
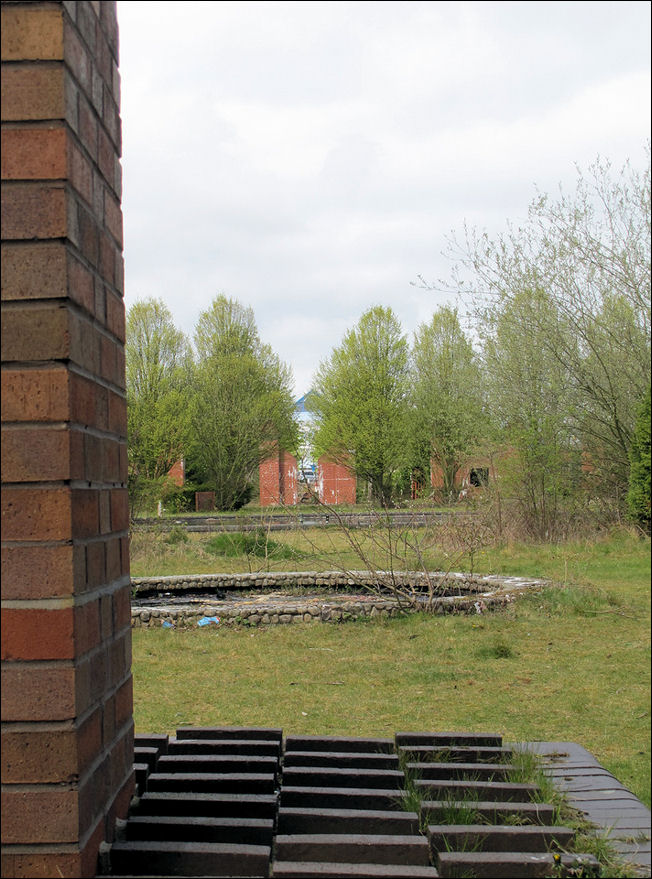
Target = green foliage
(257,544)
(360,401)
(447,397)
(242,404)
(638,496)
(175,535)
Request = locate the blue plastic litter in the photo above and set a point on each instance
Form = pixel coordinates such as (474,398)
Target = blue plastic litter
(167,624)
(206,621)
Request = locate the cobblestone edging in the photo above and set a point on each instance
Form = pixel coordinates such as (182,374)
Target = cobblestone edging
(466,594)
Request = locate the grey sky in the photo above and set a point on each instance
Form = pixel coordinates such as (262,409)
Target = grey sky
(310,158)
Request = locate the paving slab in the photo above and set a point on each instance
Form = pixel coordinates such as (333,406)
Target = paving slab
(152,740)
(305,870)
(255,747)
(497,838)
(353,848)
(455,754)
(225,805)
(339,743)
(217,763)
(298,820)
(340,798)
(330,776)
(190,859)
(341,759)
(477,771)
(448,739)
(500,791)
(260,733)
(196,828)
(511,865)
(200,782)
(433,811)
(146,755)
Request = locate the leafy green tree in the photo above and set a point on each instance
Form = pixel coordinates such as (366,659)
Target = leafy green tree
(638,497)
(360,401)
(590,252)
(156,355)
(242,403)
(447,400)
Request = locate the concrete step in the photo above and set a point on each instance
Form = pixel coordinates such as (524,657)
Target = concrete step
(341,744)
(437,811)
(330,776)
(231,763)
(448,740)
(208,805)
(470,771)
(436,753)
(141,771)
(170,828)
(514,865)
(255,747)
(500,791)
(214,782)
(340,798)
(309,821)
(256,733)
(353,848)
(497,838)
(306,870)
(146,755)
(152,740)
(189,859)
(341,759)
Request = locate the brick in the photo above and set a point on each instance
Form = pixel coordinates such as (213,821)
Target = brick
(111,461)
(31,211)
(39,514)
(37,633)
(80,173)
(38,693)
(119,510)
(38,455)
(84,513)
(88,129)
(80,284)
(32,34)
(115,315)
(87,627)
(34,271)
(41,333)
(95,564)
(122,609)
(113,218)
(33,572)
(89,242)
(88,403)
(34,154)
(105,512)
(58,755)
(77,57)
(33,93)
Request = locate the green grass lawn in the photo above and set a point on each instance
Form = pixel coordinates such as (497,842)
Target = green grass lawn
(569,664)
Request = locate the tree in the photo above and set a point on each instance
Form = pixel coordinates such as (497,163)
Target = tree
(156,355)
(447,403)
(360,401)
(242,405)
(590,253)
(638,496)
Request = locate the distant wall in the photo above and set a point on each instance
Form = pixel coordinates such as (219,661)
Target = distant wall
(67,730)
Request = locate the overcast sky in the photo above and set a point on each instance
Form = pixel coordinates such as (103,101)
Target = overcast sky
(309,159)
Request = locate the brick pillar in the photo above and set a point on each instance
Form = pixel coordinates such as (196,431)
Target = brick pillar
(336,484)
(67,729)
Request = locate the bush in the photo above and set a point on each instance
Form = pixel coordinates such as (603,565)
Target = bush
(638,496)
(252,543)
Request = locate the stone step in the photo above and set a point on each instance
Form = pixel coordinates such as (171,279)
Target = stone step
(448,740)
(146,755)
(195,828)
(497,838)
(209,805)
(305,870)
(437,811)
(189,859)
(256,733)
(340,798)
(342,759)
(514,865)
(152,740)
(330,776)
(341,744)
(223,763)
(213,782)
(141,771)
(499,791)
(255,747)
(470,771)
(353,848)
(309,821)
(435,753)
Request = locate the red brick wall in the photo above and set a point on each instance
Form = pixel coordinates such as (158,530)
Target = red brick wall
(277,477)
(67,731)
(177,473)
(336,483)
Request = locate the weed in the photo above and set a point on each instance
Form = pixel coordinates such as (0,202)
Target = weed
(253,543)
(500,649)
(176,534)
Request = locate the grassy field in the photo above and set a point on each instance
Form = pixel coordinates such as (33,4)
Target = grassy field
(570,664)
